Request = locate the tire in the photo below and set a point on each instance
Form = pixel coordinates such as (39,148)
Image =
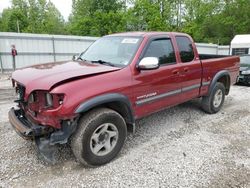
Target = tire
(100,136)
(213,103)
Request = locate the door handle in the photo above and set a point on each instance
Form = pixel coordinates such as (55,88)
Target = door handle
(186,69)
(175,71)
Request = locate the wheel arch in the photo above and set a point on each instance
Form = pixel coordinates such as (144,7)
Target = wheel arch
(223,77)
(115,101)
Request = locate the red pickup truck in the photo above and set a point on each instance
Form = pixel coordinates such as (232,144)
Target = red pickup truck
(92,101)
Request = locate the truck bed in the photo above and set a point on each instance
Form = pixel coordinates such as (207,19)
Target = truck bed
(211,56)
(212,64)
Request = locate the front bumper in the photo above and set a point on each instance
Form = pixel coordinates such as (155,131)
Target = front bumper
(24,127)
(243,79)
(45,137)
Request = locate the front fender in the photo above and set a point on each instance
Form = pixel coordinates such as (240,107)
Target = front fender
(106,99)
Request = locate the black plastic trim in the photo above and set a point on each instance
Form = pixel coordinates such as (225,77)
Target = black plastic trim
(167,94)
(104,99)
(158,97)
(205,83)
(61,136)
(189,88)
(216,78)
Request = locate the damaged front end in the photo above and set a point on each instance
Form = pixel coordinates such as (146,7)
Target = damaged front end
(37,118)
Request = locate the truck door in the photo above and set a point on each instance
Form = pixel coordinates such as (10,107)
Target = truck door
(156,89)
(190,70)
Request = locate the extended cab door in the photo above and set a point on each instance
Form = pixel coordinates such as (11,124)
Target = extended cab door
(156,89)
(190,68)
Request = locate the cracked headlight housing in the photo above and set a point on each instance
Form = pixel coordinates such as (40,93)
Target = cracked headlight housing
(53,100)
(44,100)
(48,100)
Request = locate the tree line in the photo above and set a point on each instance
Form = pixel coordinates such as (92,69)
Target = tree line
(212,21)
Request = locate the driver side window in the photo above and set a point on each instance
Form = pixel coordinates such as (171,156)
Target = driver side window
(163,50)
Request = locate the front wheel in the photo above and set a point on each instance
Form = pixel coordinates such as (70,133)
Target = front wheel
(100,136)
(213,103)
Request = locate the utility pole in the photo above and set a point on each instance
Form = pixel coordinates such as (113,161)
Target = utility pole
(1,64)
(161,8)
(179,12)
(17,24)
(126,13)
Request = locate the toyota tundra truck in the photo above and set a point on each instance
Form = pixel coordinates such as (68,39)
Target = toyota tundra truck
(92,101)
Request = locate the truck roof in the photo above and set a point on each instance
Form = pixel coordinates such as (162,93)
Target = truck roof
(146,34)
(241,40)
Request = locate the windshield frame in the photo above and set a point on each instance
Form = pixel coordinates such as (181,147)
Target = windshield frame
(140,39)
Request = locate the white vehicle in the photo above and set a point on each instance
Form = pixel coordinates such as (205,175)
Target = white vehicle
(240,45)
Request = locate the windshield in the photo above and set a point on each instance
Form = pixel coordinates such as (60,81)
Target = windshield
(245,60)
(112,50)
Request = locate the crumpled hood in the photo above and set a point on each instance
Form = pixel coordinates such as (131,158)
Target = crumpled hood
(45,76)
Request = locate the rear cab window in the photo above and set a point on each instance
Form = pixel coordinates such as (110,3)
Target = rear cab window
(161,48)
(185,48)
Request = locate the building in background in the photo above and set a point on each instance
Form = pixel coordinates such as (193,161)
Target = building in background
(240,45)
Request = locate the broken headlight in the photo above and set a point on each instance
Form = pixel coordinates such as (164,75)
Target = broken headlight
(45,99)
(48,100)
(32,98)
(53,100)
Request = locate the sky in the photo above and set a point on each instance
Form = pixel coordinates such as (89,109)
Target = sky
(64,6)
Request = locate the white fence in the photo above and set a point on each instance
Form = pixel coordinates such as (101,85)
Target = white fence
(34,49)
(204,48)
(39,48)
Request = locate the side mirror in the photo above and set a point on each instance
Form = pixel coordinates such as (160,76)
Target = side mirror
(75,57)
(149,63)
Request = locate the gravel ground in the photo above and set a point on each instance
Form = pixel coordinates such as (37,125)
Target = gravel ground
(178,147)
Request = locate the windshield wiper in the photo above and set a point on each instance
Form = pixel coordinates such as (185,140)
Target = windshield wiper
(79,58)
(104,62)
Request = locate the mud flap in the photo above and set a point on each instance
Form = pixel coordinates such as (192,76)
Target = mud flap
(131,128)
(45,150)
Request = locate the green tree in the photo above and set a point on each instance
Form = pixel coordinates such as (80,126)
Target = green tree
(33,16)
(145,15)
(233,19)
(196,17)
(14,17)
(53,20)
(216,21)
(97,17)
(158,15)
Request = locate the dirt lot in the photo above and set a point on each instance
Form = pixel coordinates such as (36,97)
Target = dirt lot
(178,147)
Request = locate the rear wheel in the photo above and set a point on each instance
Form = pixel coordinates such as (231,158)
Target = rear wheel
(213,103)
(100,136)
